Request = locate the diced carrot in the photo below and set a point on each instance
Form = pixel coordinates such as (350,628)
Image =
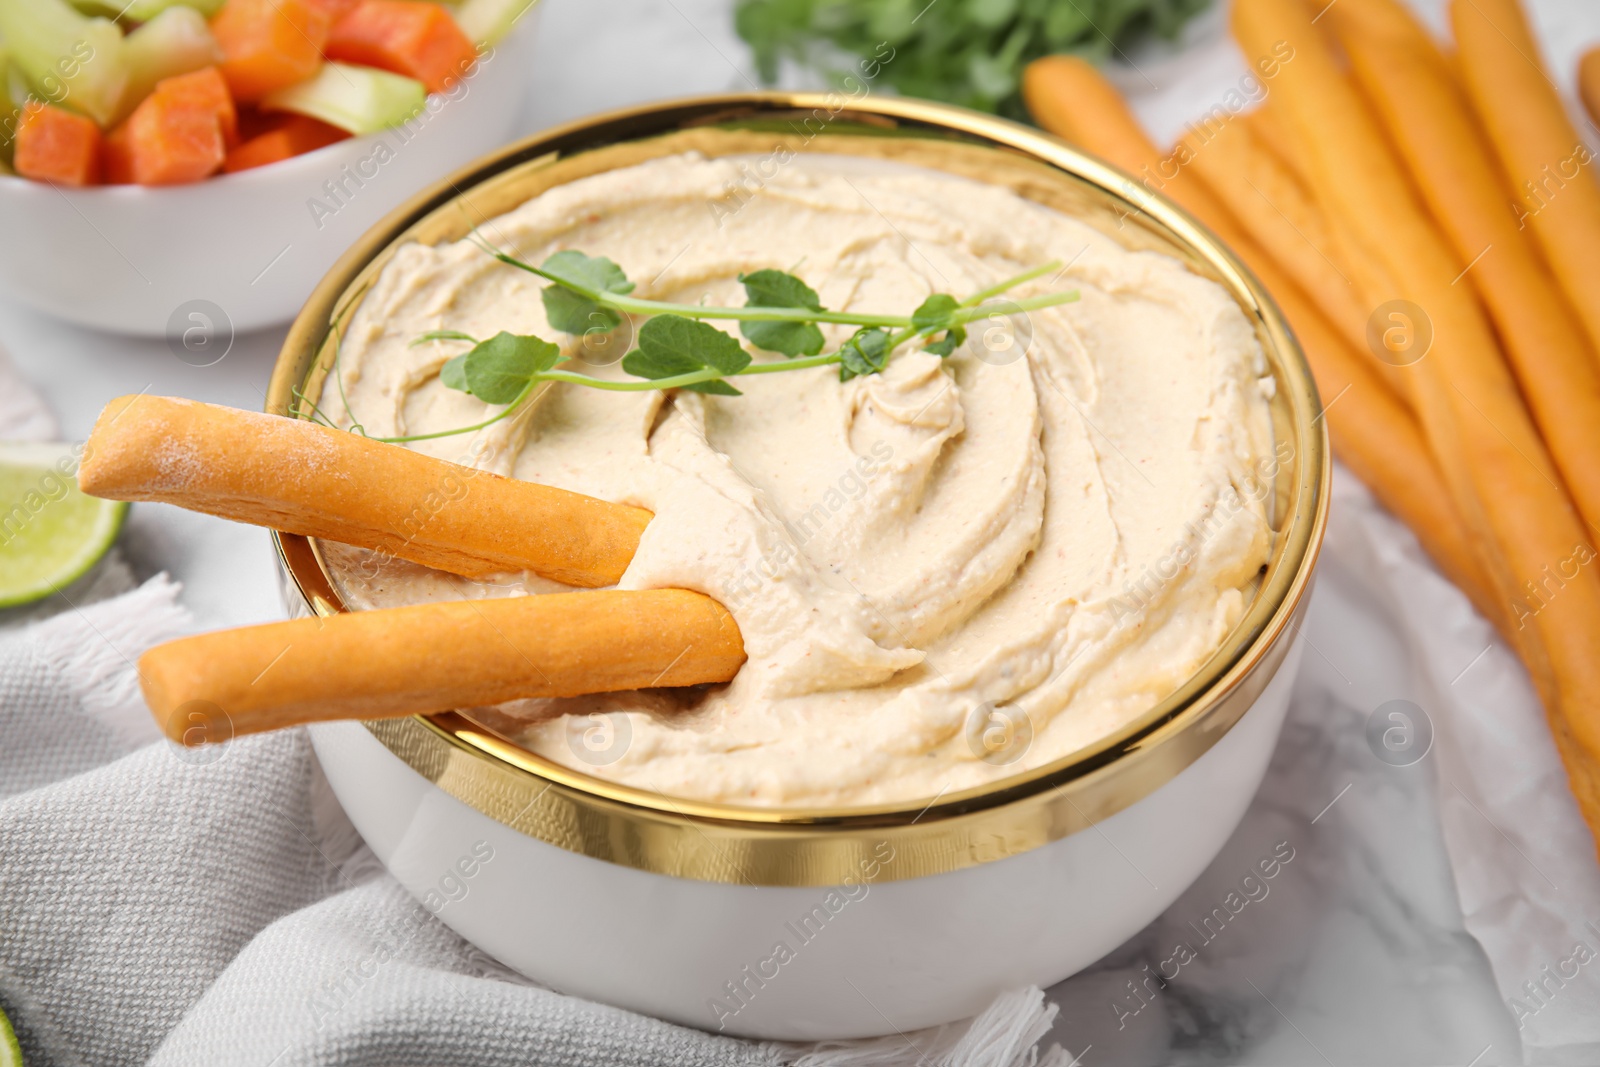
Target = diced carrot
(179,133)
(254,122)
(410,37)
(335,9)
(268,44)
(116,158)
(298,135)
(171,141)
(207,90)
(274,147)
(56,145)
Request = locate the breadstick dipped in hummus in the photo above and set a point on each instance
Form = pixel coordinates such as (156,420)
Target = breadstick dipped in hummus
(436,657)
(298,477)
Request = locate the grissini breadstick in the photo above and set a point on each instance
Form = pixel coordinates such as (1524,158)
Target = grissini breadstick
(1263,121)
(1371,430)
(1495,464)
(1278,141)
(1070,98)
(1271,204)
(1550,167)
(1410,86)
(1278,210)
(436,657)
(1378,439)
(298,477)
(1589,83)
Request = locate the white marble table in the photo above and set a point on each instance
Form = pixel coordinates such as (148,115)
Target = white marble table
(1356,956)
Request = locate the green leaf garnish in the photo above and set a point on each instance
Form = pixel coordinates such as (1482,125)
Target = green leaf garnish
(867,352)
(594,273)
(670,345)
(776,289)
(500,369)
(677,346)
(575,313)
(568,306)
(453,375)
(935,312)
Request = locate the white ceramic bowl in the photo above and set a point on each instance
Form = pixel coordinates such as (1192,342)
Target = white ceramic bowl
(916,952)
(811,924)
(254,244)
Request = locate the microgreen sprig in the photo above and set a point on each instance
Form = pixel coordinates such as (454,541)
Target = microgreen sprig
(678,348)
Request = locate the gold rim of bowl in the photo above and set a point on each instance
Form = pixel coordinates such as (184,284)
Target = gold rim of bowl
(720,842)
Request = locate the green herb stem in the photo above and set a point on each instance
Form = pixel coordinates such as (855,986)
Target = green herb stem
(1011,283)
(824,360)
(634,385)
(506,412)
(1032,303)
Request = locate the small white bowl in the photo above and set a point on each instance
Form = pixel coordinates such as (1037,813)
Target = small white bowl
(806,924)
(250,246)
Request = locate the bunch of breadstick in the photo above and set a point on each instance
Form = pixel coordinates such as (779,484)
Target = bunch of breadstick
(297,477)
(1428,221)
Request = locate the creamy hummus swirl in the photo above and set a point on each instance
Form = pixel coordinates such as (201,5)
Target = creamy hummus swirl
(944,574)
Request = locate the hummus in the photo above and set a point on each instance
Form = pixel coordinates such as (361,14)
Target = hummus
(944,574)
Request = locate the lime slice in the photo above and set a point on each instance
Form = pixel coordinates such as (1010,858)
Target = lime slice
(50,533)
(10,1051)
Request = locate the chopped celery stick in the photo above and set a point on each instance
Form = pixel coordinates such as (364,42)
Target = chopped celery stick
(16,86)
(70,60)
(487,21)
(175,42)
(14,93)
(144,10)
(358,99)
